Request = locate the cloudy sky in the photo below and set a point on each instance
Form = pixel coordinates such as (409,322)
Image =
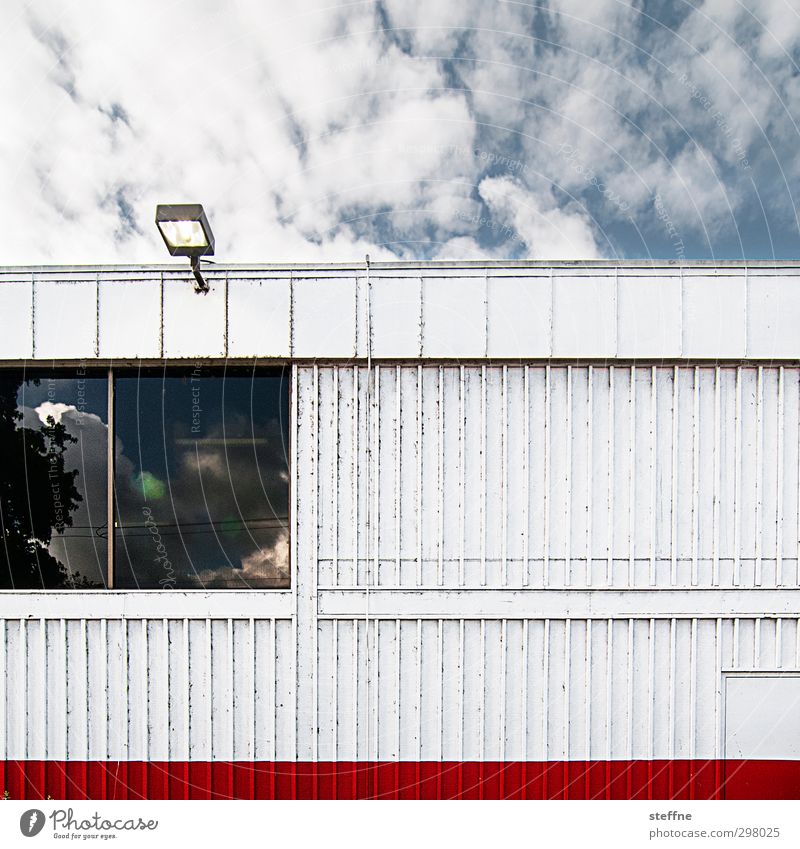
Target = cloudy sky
(408,129)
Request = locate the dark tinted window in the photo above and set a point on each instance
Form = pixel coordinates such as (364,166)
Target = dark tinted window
(202,479)
(53,479)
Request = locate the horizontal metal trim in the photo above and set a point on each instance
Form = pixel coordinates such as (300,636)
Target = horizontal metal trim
(559,603)
(146,604)
(360,265)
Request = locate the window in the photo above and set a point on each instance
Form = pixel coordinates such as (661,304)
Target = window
(53,480)
(200,479)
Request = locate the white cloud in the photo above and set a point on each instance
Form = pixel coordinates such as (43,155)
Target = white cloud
(548,231)
(320,132)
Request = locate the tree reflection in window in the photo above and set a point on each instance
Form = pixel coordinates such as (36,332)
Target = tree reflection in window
(53,480)
(202,479)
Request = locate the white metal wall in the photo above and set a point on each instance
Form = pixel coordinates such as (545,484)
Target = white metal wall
(435,688)
(552,476)
(441,607)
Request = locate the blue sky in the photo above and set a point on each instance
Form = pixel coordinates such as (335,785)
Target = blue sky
(317,131)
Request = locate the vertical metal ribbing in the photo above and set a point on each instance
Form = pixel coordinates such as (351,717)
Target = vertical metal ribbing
(797,643)
(610,494)
(186,695)
(568,483)
(609,699)
(695,474)
(144,680)
(45,690)
(716,481)
(629,697)
(335,478)
(461,475)
(653,476)
(481,688)
(503,686)
(272,680)
(718,746)
(778,642)
(545,692)
(504,482)
(693,701)
(440,712)
(651,694)
(295,426)
(354,714)
(737,483)
(757,642)
(419,475)
(546,493)
(797,530)
(24,686)
(759,460)
(376,481)
(398,705)
(398,441)
(565,726)
(736,638)
(335,697)
(589,476)
(126,666)
(524,697)
(673,508)
(587,689)
(483,476)
(110,468)
(4,678)
(164,708)
(672,690)
(229,683)
(314,577)
(526,478)
(84,667)
(440,479)
(779,494)
(419,697)
(632,480)
(462,686)
(65,664)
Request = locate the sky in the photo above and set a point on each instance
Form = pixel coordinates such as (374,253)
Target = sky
(406,129)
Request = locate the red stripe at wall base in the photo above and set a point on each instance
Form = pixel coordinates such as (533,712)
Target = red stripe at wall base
(680,779)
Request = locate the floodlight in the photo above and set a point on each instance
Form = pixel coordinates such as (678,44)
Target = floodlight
(186,232)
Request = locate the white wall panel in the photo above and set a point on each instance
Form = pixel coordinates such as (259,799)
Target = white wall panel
(714,317)
(65,319)
(584,317)
(396,317)
(773,315)
(194,324)
(520,316)
(16,319)
(129,318)
(324,317)
(649,317)
(259,317)
(454,316)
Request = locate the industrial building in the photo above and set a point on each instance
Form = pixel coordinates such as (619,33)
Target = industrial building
(411,529)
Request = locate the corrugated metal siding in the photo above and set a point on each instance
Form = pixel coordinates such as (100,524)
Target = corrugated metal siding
(447,689)
(553,476)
